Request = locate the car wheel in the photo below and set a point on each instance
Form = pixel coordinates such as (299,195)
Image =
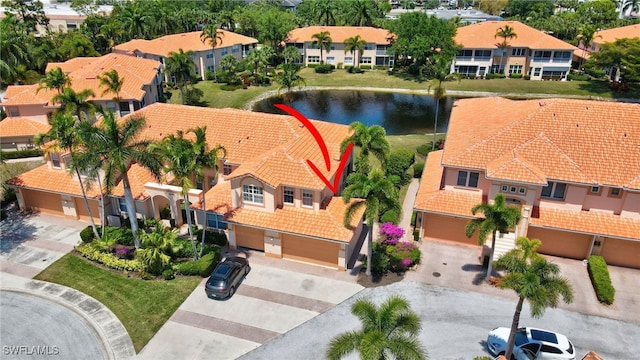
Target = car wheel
(232,291)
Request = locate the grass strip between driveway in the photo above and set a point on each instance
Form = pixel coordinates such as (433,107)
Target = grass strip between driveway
(142,306)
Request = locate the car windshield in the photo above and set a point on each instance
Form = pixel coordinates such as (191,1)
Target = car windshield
(521,337)
(544,336)
(216,283)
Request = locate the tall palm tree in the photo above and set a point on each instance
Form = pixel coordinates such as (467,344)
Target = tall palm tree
(13,45)
(63,137)
(323,41)
(506,33)
(74,102)
(112,83)
(119,145)
(325,12)
(213,35)
(586,36)
(389,331)
(498,217)
(535,280)
(205,158)
(54,79)
(180,64)
(135,21)
(361,11)
(353,44)
(178,155)
(378,193)
(370,140)
(440,74)
(289,78)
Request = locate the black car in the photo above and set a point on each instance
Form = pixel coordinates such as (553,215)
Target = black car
(226,276)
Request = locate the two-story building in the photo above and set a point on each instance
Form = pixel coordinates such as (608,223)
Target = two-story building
(571,166)
(205,56)
(607,36)
(375,51)
(266,196)
(531,52)
(29,104)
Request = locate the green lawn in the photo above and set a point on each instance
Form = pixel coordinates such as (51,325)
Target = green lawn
(143,306)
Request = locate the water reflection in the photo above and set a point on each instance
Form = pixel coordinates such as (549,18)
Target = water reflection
(399,114)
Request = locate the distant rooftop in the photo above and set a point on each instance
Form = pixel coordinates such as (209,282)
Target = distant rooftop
(469,16)
(55,9)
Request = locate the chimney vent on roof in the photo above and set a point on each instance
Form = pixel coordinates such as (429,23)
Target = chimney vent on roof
(587,107)
(541,103)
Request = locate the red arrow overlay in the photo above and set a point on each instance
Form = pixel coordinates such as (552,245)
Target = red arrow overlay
(323,147)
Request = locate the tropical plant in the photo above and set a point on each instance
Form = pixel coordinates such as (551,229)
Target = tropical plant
(112,82)
(323,41)
(62,137)
(439,73)
(180,65)
(586,36)
(506,33)
(289,78)
(498,217)
(361,12)
(325,12)
(213,35)
(54,79)
(389,331)
(156,248)
(14,48)
(378,193)
(119,145)
(291,54)
(76,103)
(534,279)
(370,140)
(260,58)
(353,44)
(205,158)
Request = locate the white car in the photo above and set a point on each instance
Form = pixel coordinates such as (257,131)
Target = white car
(531,344)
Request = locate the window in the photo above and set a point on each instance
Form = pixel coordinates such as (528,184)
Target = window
(307,198)
(210,68)
(483,54)
(554,190)
(224,51)
(209,54)
(55,160)
(515,69)
(465,69)
(468,178)
(235,48)
(615,192)
(518,51)
(226,169)
(216,221)
(288,195)
(482,71)
(252,194)
(368,47)
(522,190)
(331,60)
(348,60)
(464,54)
(550,349)
(497,69)
(504,188)
(562,56)
(13,111)
(365,60)
(542,56)
(512,189)
(595,190)
(536,72)
(314,59)
(122,205)
(553,75)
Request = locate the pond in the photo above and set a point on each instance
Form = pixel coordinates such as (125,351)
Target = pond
(399,114)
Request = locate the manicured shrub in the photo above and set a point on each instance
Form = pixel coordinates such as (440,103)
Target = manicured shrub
(353,70)
(417,170)
(203,266)
(391,233)
(313,66)
(527,77)
(9,197)
(340,65)
(424,150)
(86,235)
(414,216)
(20,154)
(596,73)
(168,274)
(324,68)
(416,235)
(123,235)
(365,67)
(211,237)
(399,162)
(515,76)
(599,274)
(108,259)
(391,216)
(578,77)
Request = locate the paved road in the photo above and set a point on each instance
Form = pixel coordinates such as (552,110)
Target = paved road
(455,325)
(34,327)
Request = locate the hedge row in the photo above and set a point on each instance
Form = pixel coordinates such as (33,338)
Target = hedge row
(599,274)
(203,266)
(108,259)
(20,154)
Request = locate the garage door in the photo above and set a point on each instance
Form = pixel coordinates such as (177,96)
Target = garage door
(310,250)
(42,201)
(561,243)
(83,214)
(621,252)
(438,227)
(249,237)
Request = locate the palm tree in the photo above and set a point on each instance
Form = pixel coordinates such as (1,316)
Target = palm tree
(205,158)
(325,12)
(54,79)
(361,12)
(291,54)
(118,144)
(211,33)
(323,41)
(64,138)
(389,331)
(587,36)
(135,21)
(289,78)
(178,155)
(506,33)
(112,82)
(378,193)
(180,64)
(355,43)
(440,74)
(371,140)
(534,279)
(76,103)
(498,217)
(260,58)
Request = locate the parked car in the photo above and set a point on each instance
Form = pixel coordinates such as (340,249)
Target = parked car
(225,278)
(531,344)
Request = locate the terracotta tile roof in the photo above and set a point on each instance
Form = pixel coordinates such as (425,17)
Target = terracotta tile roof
(591,355)
(83,72)
(611,35)
(20,126)
(52,180)
(482,36)
(339,34)
(271,147)
(579,141)
(190,41)
(325,223)
(592,222)
(138,176)
(431,199)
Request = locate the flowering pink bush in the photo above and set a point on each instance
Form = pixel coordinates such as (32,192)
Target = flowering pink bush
(406,263)
(391,233)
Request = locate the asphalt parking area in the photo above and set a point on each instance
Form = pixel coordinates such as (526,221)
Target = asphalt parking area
(269,302)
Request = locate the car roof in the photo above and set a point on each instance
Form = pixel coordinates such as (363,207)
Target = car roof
(548,337)
(222,270)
